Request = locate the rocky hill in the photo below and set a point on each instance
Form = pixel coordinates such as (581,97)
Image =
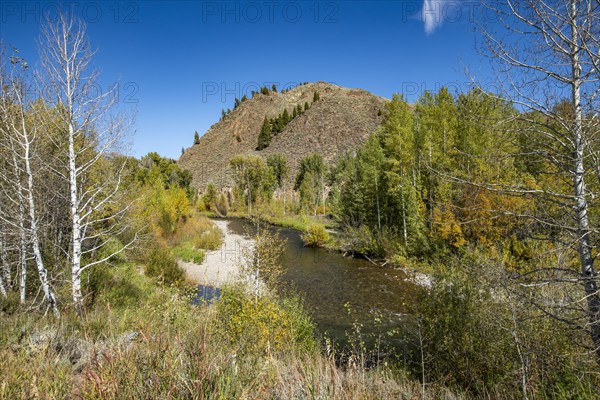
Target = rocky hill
(338,122)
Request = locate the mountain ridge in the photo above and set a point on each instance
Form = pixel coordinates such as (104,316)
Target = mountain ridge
(340,121)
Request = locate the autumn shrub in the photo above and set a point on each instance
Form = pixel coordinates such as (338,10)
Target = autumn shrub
(260,323)
(221,205)
(210,239)
(162,265)
(315,236)
(479,337)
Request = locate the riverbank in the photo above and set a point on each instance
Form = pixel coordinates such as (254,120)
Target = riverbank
(224,265)
(416,275)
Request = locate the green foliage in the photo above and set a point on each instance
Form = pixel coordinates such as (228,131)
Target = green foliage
(164,208)
(188,252)
(154,169)
(310,181)
(272,127)
(279,168)
(252,177)
(316,97)
(398,180)
(264,137)
(264,323)
(359,198)
(210,239)
(162,265)
(315,236)
(209,198)
(196,138)
(477,335)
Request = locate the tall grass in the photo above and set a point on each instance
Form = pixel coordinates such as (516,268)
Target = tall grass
(193,237)
(160,346)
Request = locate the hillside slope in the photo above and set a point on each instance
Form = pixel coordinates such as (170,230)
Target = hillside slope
(339,122)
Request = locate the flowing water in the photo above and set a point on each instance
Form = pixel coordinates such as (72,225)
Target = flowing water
(343,293)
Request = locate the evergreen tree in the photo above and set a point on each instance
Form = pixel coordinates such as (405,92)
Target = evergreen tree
(274,88)
(196,138)
(316,97)
(306,106)
(280,124)
(285,117)
(264,137)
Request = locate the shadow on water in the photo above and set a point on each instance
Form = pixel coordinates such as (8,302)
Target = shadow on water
(350,300)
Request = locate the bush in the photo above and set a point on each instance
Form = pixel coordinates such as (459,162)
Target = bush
(263,323)
(221,206)
(161,264)
(114,249)
(481,338)
(209,240)
(315,236)
(362,241)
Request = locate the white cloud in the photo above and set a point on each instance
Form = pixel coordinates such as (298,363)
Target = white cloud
(434,12)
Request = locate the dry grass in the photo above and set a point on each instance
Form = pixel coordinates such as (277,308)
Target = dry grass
(162,347)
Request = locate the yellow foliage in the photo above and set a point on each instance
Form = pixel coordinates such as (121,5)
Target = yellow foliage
(448,228)
(163,208)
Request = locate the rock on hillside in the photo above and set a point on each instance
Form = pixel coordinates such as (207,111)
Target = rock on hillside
(339,122)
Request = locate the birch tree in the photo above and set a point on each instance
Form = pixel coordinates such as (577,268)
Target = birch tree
(546,54)
(20,133)
(91,131)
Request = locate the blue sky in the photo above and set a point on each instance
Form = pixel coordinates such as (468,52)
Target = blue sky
(178,63)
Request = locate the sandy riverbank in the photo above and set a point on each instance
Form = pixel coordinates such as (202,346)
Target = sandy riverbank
(222,265)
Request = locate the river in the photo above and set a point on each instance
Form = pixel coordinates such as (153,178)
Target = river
(343,293)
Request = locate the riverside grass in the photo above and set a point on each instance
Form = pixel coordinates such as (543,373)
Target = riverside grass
(180,351)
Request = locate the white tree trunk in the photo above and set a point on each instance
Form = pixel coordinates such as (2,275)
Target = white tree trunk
(22,235)
(6,273)
(284,196)
(22,258)
(404,227)
(39,262)
(76,225)
(583,225)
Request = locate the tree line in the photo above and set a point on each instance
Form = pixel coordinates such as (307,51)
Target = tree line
(70,202)
(273,126)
